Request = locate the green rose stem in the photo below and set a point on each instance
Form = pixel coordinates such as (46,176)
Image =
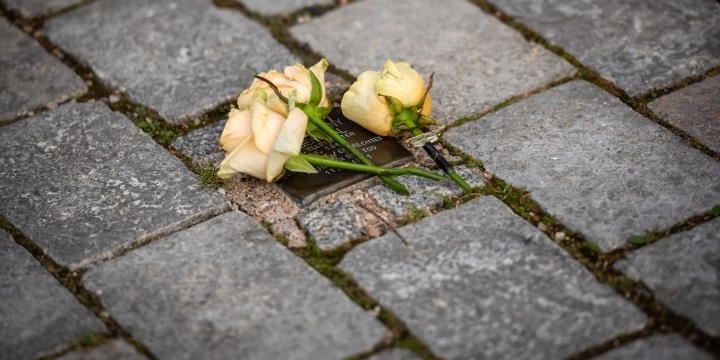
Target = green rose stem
(321,161)
(391,183)
(440,160)
(409,117)
(311,109)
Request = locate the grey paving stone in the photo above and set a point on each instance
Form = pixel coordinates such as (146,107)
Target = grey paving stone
(84,183)
(395,354)
(35,8)
(331,226)
(694,109)
(38,316)
(639,46)
(683,271)
(658,347)
(275,7)
(425,194)
(479,282)
(592,162)
(226,289)
(202,144)
(477,60)
(31,77)
(115,350)
(179,57)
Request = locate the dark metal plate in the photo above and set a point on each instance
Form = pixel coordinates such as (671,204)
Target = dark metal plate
(383,151)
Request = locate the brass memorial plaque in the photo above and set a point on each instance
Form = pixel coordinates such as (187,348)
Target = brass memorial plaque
(382,151)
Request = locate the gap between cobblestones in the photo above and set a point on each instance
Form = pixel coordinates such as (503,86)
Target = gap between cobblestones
(325,262)
(72,280)
(279,26)
(660,319)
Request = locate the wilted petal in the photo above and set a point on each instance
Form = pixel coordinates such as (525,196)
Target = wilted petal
(288,143)
(400,81)
(361,105)
(246,158)
(237,129)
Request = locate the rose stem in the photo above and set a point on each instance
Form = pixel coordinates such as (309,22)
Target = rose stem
(321,161)
(440,160)
(393,184)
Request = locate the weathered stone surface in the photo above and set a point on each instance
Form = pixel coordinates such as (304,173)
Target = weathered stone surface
(477,60)
(180,57)
(683,271)
(275,7)
(639,46)
(31,77)
(658,347)
(35,8)
(37,315)
(395,354)
(115,350)
(84,183)
(479,282)
(202,144)
(225,289)
(261,201)
(695,110)
(332,226)
(593,163)
(425,194)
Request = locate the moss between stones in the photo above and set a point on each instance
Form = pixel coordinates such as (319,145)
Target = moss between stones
(660,318)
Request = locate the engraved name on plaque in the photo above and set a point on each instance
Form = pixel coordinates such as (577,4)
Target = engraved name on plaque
(382,151)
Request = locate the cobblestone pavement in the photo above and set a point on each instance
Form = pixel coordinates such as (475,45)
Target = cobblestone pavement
(588,130)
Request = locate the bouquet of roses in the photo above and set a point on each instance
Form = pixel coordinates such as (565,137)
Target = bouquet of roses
(264,136)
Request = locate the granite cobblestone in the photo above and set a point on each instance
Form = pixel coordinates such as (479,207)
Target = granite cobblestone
(478,61)
(592,162)
(472,281)
(640,46)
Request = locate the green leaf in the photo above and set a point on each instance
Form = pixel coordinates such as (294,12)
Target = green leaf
(322,112)
(291,100)
(298,164)
(142,125)
(714,211)
(426,121)
(316,91)
(394,105)
(640,239)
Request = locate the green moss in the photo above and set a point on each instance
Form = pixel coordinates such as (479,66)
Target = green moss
(91,339)
(208,177)
(414,344)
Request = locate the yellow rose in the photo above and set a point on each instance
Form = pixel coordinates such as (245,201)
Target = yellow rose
(362,104)
(295,77)
(259,141)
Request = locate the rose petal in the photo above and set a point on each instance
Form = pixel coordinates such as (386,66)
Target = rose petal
(361,105)
(400,81)
(237,129)
(246,158)
(266,125)
(288,143)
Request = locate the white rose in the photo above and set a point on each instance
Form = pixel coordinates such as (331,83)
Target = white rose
(259,141)
(363,105)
